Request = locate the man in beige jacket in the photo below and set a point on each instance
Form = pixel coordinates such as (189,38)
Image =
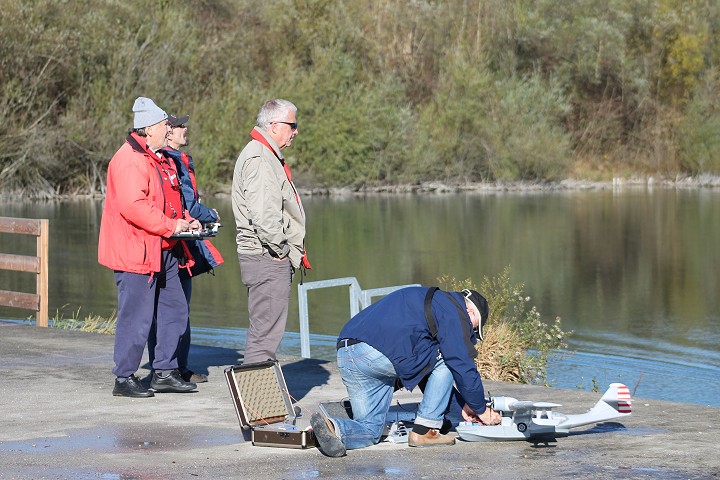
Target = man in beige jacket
(270,224)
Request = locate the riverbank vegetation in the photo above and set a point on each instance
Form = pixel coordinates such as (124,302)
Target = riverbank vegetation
(389,92)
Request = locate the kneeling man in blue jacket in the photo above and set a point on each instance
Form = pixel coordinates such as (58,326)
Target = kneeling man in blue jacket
(421,336)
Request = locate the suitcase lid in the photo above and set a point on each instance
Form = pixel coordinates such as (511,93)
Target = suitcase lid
(260,394)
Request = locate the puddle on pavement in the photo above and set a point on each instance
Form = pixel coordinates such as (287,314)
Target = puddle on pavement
(380,471)
(362,472)
(117,437)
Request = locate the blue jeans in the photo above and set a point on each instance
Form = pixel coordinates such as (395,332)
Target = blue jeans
(369,377)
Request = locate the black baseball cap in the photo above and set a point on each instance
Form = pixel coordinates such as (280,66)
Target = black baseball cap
(177,121)
(482,306)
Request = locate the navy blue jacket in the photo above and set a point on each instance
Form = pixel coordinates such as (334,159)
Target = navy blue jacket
(396,327)
(190,196)
(206,257)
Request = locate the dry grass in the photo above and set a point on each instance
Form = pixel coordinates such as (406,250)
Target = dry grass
(500,354)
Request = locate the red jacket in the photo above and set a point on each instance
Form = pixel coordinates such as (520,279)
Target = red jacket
(133,222)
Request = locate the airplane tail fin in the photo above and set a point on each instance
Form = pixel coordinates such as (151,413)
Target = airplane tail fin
(618,397)
(616,402)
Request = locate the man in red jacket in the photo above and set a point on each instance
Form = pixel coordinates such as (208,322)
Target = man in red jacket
(143,209)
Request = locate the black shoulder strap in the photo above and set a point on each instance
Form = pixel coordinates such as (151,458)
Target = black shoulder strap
(460,309)
(430,318)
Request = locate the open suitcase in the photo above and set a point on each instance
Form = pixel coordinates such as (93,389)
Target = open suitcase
(263,406)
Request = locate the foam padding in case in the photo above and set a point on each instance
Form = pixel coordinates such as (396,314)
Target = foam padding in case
(260,393)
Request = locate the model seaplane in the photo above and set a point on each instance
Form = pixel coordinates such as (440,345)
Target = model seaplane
(536,421)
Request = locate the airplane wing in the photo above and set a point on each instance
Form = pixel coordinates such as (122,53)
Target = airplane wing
(546,405)
(509,404)
(524,406)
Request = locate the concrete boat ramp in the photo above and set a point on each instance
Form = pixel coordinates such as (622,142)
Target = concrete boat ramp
(59,420)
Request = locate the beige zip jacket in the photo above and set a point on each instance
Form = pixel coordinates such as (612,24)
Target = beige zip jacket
(268,214)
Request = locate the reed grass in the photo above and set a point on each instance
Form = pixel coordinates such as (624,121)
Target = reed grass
(91,323)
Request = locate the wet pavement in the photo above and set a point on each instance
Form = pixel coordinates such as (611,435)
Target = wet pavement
(59,420)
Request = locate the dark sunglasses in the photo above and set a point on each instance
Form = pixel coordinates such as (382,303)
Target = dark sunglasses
(293,125)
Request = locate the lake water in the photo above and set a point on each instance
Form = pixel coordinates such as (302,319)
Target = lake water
(634,272)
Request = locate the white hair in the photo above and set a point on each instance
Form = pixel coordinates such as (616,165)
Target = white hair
(274,111)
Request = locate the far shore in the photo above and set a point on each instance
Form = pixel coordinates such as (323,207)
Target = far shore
(490,187)
(438,187)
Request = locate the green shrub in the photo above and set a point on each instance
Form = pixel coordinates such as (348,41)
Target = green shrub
(700,129)
(483,128)
(350,134)
(530,143)
(452,138)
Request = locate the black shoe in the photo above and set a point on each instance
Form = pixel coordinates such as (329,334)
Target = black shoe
(131,388)
(190,376)
(172,383)
(325,439)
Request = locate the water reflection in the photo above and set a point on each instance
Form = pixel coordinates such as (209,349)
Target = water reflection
(633,271)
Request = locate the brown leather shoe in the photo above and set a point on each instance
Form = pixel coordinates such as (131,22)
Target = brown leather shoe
(432,438)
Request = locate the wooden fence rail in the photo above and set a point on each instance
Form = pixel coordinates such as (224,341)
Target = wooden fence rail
(22,263)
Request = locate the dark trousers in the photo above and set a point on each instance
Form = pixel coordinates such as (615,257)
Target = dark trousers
(146,302)
(183,348)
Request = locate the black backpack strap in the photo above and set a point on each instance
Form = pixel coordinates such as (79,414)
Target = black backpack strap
(429,317)
(460,309)
(462,315)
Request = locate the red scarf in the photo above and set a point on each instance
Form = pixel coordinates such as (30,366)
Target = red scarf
(255,135)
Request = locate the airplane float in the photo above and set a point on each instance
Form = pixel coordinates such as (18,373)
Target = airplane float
(536,421)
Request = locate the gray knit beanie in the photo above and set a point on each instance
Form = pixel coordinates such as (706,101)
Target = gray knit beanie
(147,113)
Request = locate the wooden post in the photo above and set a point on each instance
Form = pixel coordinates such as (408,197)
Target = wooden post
(42,276)
(22,263)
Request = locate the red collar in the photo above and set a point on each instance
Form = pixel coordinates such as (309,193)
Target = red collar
(255,135)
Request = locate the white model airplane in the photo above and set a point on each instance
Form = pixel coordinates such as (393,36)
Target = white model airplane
(536,421)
